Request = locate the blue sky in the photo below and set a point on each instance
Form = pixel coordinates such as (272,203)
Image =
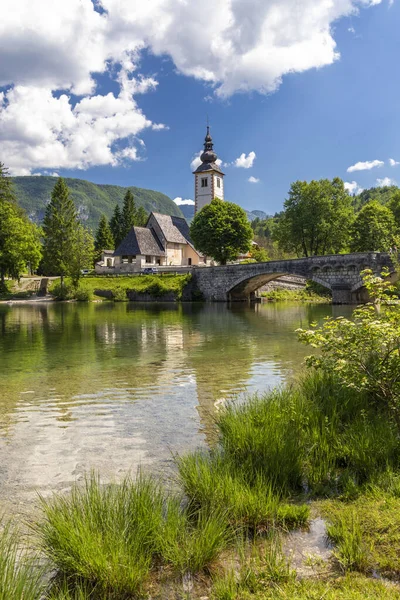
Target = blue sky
(306,124)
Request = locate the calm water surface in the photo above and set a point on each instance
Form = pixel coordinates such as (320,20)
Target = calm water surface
(113,386)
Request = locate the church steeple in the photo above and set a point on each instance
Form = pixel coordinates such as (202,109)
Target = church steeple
(208,175)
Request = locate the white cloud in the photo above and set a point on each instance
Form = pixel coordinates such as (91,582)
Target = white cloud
(393,163)
(386,181)
(351,30)
(54,48)
(181,202)
(245,162)
(365,166)
(253,179)
(352,187)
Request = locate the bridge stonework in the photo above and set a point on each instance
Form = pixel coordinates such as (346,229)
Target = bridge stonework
(339,273)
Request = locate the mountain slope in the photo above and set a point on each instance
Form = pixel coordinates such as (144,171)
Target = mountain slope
(91,199)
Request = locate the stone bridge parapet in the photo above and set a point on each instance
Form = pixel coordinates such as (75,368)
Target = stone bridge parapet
(337,272)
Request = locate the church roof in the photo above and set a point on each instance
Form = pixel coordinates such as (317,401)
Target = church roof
(174,229)
(208,167)
(140,240)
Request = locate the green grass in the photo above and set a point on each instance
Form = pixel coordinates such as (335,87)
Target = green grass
(155,285)
(20,576)
(300,295)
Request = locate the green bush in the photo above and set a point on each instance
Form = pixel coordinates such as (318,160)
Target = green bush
(84,294)
(62,292)
(120,294)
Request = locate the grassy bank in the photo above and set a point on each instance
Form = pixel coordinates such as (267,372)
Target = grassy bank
(299,295)
(154,285)
(224,527)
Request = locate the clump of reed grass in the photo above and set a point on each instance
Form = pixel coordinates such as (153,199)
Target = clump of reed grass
(351,551)
(21,577)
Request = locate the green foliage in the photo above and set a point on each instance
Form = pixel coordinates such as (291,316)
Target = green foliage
(141,217)
(374,229)
(82,255)
(83,294)
(92,200)
(259,254)
(66,291)
(306,295)
(104,239)
(316,219)
(120,294)
(383,195)
(19,238)
(364,353)
(21,578)
(351,551)
(128,213)
(117,226)
(221,230)
(156,285)
(59,225)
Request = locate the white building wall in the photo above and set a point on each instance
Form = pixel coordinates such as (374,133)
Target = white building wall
(204,195)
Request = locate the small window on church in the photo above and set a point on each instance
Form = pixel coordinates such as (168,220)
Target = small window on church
(218,182)
(204,182)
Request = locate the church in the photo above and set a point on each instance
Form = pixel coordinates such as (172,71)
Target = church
(165,240)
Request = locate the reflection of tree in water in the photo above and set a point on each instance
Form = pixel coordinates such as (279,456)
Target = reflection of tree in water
(65,352)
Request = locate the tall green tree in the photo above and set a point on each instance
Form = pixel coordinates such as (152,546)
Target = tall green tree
(141,217)
(394,205)
(19,238)
(117,226)
(316,219)
(104,238)
(59,228)
(128,213)
(221,230)
(374,229)
(83,254)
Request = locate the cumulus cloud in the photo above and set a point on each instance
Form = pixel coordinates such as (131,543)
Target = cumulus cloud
(385,182)
(245,162)
(352,187)
(253,179)
(393,163)
(365,166)
(55,49)
(181,202)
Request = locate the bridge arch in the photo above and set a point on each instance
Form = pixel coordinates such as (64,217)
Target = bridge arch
(245,287)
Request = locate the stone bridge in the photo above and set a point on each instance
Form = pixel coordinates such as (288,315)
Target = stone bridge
(339,273)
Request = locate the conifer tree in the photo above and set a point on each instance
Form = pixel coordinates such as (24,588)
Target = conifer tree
(59,227)
(116,226)
(104,238)
(128,213)
(141,217)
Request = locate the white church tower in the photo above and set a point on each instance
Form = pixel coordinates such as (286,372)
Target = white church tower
(209,179)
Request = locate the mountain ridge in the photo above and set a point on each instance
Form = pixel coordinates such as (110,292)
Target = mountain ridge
(91,199)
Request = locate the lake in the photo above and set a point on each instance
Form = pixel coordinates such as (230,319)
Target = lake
(113,386)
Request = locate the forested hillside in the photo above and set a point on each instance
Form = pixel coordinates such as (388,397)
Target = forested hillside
(91,199)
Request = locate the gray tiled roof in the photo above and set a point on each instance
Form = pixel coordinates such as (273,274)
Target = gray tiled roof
(140,240)
(175,229)
(208,167)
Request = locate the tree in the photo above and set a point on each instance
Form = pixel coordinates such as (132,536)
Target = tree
(82,256)
(221,230)
(141,217)
(104,238)
(374,229)
(316,219)
(394,205)
(19,242)
(59,227)
(117,227)
(259,254)
(128,213)
(19,238)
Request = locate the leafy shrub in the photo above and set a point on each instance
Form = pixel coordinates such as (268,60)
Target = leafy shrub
(84,294)
(120,294)
(62,292)
(364,353)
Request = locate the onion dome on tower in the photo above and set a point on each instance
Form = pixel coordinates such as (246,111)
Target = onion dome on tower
(208,157)
(209,179)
